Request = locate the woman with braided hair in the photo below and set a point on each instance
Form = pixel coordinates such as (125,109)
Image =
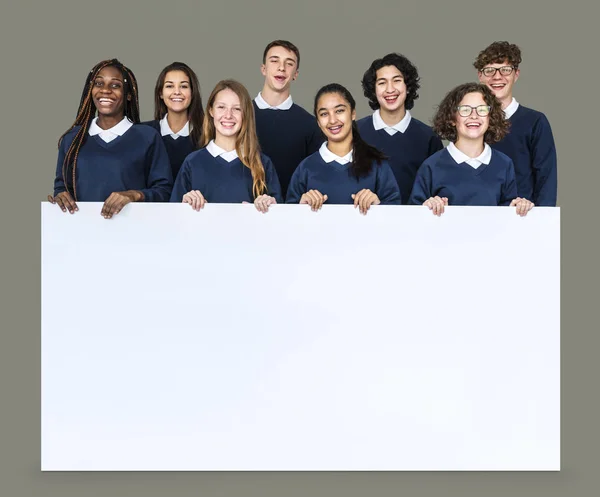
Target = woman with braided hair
(109,157)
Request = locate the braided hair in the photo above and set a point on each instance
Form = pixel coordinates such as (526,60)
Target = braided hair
(87,112)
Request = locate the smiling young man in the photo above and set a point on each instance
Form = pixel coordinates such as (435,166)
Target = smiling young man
(529,142)
(286,132)
(391,85)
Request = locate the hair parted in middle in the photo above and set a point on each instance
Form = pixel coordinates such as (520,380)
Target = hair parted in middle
(246,143)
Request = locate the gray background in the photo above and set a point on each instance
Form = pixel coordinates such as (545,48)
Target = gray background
(48,48)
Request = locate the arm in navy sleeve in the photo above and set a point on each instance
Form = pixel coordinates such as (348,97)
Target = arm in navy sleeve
(386,186)
(59,184)
(435,144)
(159,182)
(509,188)
(422,187)
(543,153)
(297,186)
(183,182)
(272,180)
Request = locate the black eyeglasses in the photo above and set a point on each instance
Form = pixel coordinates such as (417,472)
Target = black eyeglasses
(491,71)
(467,110)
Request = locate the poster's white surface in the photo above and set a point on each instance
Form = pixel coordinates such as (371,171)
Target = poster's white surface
(233,340)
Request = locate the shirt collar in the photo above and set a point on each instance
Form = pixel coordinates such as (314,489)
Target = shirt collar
(110,134)
(511,109)
(460,157)
(328,156)
(401,126)
(165,129)
(261,103)
(217,151)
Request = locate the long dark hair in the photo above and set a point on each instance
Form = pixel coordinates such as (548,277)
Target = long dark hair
(363,154)
(195,110)
(87,111)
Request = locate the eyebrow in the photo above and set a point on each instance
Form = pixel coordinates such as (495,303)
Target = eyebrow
(336,107)
(291,59)
(385,79)
(112,79)
(183,81)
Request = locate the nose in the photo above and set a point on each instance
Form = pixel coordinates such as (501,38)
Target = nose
(389,87)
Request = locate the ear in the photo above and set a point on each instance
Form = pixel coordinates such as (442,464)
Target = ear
(517,74)
(354,115)
(480,76)
(263,69)
(295,76)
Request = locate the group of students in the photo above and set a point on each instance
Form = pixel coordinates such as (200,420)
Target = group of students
(268,150)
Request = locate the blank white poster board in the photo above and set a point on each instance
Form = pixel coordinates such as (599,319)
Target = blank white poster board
(232,340)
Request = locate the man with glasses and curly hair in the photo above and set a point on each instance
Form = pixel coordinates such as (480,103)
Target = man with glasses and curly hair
(529,143)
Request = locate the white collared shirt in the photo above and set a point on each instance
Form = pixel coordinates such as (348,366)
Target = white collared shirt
(261,103)
(461,157)
(401,126)
(165,129)
(110,134)
(511,109)
(328,156)
(217,151)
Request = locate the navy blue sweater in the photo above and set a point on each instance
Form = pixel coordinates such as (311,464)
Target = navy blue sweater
(287,137)
(334,180)
(178,149)
(489,185)
(220,181)
(405,151)
(137,160)
(530,145)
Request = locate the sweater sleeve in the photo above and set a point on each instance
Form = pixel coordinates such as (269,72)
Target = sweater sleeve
(386,185)
(544,164)
(183,182)
(509,188)
(298,185)
(159,182)
(59,184)
(422,187)
(272,180)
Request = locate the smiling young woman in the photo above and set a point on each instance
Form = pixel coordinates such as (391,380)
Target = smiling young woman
(108,158)
(178,112)
(468,171)
(345,170)
(230,168)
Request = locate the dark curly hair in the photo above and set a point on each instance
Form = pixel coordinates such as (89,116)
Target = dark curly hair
(405,66)
(445,118)
(497,53)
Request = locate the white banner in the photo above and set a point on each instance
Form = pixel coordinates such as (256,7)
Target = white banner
(228,339)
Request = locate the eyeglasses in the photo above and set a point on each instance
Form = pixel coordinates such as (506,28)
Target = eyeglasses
(491,71)
(467,110)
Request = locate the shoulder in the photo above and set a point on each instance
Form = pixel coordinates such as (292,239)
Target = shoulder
(154,124)
(310,162)
(266,160)
(421,127)
(198,157)
(144,133)
(365,122)
(501,158)
(301,113)
(438,157)
(531,115)
(68,138)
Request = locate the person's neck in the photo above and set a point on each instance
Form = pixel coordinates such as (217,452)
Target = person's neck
(177,120)
(107,122)
(274,98)
(394,117)
(340,148)
(506,101)
(471,148)
(227,143)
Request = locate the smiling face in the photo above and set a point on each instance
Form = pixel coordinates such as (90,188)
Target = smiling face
(501,85)
(176,91)
(474,126)
(335,116)
(280,68)
(108,93)
(227,113)
(390,89)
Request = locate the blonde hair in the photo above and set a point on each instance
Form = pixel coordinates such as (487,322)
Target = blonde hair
(246,143)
